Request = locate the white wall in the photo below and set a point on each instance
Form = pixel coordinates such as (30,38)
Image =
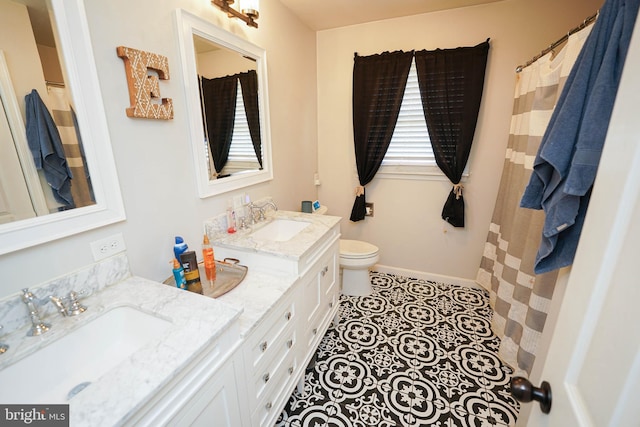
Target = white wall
(311,130)
(153,157)
(407,225)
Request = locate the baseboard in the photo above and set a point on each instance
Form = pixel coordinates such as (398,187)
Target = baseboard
(426,276)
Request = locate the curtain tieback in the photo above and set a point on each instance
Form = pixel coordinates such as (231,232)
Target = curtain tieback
(359,190)
(457,190)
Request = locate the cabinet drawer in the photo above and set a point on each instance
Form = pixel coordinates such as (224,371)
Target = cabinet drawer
(276,394)
(265,376)
(257,351)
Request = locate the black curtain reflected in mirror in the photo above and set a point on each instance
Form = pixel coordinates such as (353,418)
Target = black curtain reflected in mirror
(249,86)
(219,105)
(219,113)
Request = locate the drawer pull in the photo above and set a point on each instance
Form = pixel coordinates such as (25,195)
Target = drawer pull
(268,406)
(288,315)
(266,377)
(289,343)
(325,270)
(290,370)
(263,346)
(331,304)
(315,331)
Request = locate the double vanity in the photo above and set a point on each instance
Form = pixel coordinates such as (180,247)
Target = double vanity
(144,353)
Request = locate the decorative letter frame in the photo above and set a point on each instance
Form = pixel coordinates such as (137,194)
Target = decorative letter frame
(143,87)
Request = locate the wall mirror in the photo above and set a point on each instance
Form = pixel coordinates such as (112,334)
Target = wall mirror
(225,81)
(45,46)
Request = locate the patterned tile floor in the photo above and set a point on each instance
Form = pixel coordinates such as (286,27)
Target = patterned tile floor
(414,353)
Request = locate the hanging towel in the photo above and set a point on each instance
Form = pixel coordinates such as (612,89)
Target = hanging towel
(46,148)
(565,166)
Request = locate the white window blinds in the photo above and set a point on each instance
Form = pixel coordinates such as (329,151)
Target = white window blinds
(410,144)
(241,145)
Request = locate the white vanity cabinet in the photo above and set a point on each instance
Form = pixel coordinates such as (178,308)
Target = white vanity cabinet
(215,402)
(277,352)
(283,339)
(270,361)
(205,393)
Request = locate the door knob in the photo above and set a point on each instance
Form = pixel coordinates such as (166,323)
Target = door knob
(524,391)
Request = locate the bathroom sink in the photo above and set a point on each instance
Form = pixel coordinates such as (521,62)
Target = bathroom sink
(57,372)
(280,230)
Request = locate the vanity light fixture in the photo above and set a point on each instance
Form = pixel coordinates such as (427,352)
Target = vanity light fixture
(249,10)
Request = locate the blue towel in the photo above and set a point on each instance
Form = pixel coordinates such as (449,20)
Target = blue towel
(567,161)
(46,148)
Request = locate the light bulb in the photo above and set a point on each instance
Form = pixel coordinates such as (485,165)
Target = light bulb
(250,8)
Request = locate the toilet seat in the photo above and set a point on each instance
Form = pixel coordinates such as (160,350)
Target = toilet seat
(356,249)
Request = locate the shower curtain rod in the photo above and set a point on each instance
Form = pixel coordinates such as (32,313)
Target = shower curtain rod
(558,42)
(52,83)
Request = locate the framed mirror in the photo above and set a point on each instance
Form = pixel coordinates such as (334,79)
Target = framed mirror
(48,80)
(225,81)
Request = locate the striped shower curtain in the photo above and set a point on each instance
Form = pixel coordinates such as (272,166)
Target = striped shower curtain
(520,298)
(63,116)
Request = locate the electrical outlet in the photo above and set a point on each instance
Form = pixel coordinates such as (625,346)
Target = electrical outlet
(368,209)
(107,247)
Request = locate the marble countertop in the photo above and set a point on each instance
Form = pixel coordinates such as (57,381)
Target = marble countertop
(293,249)
(127,387)
(255,296)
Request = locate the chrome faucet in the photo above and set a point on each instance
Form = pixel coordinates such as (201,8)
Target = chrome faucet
(260,210)
(3,347)
(38,327)
(74,307)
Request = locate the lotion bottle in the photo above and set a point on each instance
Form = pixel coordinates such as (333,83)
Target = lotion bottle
(178,275)
(209,260)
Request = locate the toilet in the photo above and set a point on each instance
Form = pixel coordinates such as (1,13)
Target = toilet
(356,257)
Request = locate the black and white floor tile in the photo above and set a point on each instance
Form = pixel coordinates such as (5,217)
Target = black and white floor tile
(414,353)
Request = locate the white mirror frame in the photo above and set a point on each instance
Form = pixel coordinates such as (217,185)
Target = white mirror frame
(189,25)
(78,60)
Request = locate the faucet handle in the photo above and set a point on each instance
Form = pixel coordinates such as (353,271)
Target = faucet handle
(75,308)
(3,347)
(243,223)
(27,295)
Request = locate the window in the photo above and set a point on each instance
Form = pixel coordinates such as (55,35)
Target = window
(242,155)
(410,154)
(410,144)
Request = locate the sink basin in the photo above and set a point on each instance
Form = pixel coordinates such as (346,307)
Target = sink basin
(57,372)
(280,230)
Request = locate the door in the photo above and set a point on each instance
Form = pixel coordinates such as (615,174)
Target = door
(593,364)
(15,202)
(21,194)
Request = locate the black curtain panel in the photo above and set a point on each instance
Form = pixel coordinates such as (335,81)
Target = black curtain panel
(451,82)
(249,85)
(219,100)
(378,88)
